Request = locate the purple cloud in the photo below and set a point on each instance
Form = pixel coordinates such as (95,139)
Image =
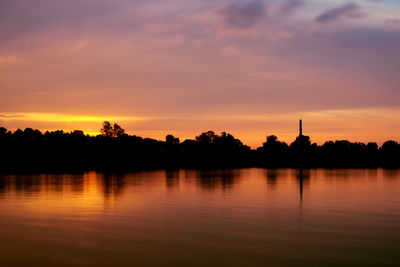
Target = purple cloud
(347,11)
(19,17)
(291,5)
(244,16)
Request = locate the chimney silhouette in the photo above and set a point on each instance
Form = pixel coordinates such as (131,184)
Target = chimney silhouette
(300,128)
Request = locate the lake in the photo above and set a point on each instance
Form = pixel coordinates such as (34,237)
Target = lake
(237,217)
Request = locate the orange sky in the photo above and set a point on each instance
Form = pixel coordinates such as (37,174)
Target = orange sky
(252,68)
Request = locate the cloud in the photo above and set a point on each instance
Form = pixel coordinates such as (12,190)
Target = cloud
(347,11)
(230,50)
(10,116)
(393,24)
(245,15)
(22,17)
(9,60)
(290,6)
(79,45)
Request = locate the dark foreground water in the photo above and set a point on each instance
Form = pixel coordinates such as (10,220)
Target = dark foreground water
(246,217)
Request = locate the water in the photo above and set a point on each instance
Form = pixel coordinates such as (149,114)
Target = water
(243,217)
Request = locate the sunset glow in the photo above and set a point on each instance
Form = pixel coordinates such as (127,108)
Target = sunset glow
(251,68)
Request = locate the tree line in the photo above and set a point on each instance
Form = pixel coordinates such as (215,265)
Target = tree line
(114,150)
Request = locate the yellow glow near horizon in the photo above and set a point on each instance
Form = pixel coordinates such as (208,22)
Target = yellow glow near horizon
(56,117)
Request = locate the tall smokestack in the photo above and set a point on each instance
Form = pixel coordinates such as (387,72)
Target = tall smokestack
(300,128)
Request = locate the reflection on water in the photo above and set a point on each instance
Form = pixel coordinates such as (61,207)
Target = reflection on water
(172,179)
(234,217)
(213,179)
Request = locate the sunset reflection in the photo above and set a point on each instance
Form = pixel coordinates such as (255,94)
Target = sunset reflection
(141,213)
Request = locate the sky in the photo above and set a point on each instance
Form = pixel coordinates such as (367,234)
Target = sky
(250,67)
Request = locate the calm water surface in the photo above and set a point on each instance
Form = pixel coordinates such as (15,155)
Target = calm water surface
(243,217)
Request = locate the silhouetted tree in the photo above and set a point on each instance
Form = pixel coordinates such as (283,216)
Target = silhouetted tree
(77,133)
(18,132)
(390,157)
(3,131)
(372,147)
(274,151)
(390,147)
(206,137)
(107,129)
(170,139)
(32,133)
(118,131)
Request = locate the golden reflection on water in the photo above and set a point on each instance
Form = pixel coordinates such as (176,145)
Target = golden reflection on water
(241,217)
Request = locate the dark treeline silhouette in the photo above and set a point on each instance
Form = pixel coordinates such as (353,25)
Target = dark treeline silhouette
(114,150)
